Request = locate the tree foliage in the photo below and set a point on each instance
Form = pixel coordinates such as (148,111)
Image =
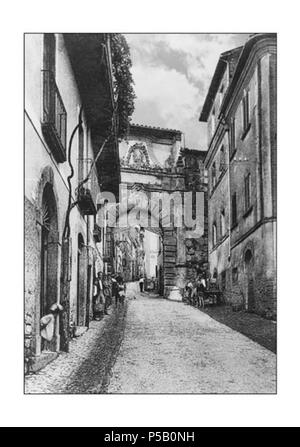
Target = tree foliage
(123,82)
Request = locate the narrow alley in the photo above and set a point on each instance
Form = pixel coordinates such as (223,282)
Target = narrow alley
(154,345)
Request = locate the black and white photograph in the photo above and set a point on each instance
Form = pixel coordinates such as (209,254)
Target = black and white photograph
(149,274)
(150,213)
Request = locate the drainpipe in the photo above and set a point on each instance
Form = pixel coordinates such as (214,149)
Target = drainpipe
(66,250)
(229,215)
(229,197)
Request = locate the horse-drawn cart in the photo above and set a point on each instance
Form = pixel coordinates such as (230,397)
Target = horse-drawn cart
(201,297)
(210,297)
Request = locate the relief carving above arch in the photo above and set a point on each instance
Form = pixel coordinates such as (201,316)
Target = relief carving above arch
(137,157)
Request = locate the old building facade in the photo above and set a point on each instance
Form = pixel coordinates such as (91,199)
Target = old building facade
(63,132)
(240,109)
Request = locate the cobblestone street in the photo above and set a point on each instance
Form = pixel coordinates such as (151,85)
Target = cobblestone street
(173,348)
(167,347)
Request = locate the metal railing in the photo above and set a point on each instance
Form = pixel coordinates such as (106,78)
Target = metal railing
(54,112)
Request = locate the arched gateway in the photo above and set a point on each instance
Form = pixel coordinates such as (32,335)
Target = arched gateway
(159,182)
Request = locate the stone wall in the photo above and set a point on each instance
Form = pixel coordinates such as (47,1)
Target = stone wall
(263,271)
(32,290)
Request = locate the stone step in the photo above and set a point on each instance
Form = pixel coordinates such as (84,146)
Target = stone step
(170,241)
(170,260)
(169,248)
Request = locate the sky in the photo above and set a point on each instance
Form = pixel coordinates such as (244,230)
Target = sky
(172,74)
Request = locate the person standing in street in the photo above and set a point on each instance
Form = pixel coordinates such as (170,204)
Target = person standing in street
(203,283)
(114,290)
(106,293)
(98,297)
(109,280)
(121,290)
(141,283)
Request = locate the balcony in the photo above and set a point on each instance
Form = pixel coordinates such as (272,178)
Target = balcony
(54,119)
(88,191)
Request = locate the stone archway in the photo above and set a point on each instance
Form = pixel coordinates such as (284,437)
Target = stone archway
(161,210)
(173,271)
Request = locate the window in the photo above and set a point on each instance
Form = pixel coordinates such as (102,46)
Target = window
(222,159)
(247,192)
(49,52)
(49,64)
(80,154)
(214,234)
(248,256)
(54,115)
(235,275)
(232,137)
(233,210)
(222,223)
(205,176)
(246,112)
(213,121)
(221,96)
(213,175)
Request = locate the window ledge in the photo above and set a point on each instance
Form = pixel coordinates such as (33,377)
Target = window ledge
(224,236)
(234,226)
(220,241)
(245,131)
(221,175)
(248,211)
(218,181)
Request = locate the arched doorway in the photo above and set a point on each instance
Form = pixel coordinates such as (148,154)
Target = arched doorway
(81,282)
(49,257)
(250,299)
